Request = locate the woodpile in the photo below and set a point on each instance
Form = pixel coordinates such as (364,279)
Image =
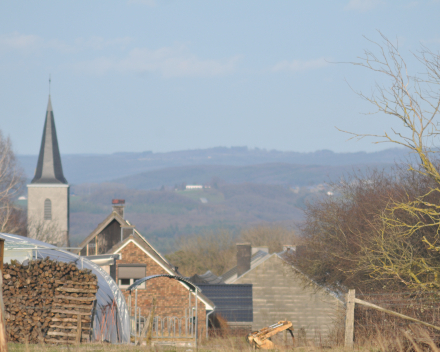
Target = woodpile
(48,301)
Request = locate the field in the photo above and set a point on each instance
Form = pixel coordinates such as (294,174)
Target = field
(416,340)
(219,347)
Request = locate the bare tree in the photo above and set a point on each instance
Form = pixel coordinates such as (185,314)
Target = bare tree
(213,251)
(216,251)
(414,100)
(272,236)
(390,238)
(11,181)
(348,240)
(46,231)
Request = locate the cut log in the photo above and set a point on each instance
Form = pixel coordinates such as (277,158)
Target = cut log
(75,298)
(68,334)
(57,305)
(61,311)
(67,282)
(37,299)
(71,320)
(69,327)
(73,289)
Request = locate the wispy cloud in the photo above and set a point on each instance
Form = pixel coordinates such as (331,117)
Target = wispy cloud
(167,61)
(298,65)
(30,43)
(25,43)
(175,61)
(362,5)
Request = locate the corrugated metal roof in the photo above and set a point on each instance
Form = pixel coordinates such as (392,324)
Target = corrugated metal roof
(206,278)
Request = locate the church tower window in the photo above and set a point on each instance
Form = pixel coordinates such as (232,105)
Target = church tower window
(47,209)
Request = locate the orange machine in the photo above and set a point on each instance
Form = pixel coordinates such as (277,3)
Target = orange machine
(261,338)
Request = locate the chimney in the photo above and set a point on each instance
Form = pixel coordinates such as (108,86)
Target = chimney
(118,206)
(244,251)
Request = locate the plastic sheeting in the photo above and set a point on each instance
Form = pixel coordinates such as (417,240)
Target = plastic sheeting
(111,321)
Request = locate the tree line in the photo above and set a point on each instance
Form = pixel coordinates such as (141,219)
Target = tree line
(381,230)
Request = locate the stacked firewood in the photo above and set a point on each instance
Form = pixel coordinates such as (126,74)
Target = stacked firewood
(48,301)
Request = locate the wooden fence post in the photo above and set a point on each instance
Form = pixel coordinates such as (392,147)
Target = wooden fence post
(151,321)
(78,330)
(2,251)
(349,318)
(3,342)
(285,335)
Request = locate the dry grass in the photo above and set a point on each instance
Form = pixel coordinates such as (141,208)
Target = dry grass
(415,340)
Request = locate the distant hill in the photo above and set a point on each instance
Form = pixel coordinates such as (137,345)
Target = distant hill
(269,174)
(86,168)
(162,216)
(248,187)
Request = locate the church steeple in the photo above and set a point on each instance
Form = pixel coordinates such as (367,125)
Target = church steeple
(49,168)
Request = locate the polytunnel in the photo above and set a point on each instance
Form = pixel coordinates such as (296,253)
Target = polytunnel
(111,320)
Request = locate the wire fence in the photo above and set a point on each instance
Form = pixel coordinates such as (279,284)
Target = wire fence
(424,306)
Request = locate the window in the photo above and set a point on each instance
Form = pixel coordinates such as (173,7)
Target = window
(47,209)
(125,283)
(129,273)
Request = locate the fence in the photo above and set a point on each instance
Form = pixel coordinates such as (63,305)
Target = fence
(390,313)
(182,327)
(165,327)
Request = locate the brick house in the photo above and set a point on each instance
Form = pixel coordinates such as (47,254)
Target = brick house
(115,237)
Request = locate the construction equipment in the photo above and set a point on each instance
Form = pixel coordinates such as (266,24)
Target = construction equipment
(261,338)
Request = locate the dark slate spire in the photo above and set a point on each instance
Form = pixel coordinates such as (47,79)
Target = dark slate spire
(49,169)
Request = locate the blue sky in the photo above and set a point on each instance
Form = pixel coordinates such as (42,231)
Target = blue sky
(167,75)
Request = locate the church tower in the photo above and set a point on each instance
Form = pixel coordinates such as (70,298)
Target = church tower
(48,192)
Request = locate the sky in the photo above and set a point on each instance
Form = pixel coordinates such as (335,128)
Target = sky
(166,75)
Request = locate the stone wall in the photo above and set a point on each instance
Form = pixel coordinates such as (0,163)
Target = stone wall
(279,294)
(44,229)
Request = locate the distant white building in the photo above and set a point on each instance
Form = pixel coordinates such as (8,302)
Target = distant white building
(193,187)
